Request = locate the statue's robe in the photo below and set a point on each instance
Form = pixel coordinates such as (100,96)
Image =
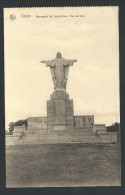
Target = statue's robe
(59,68)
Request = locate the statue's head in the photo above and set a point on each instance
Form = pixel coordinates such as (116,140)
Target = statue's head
(58,55)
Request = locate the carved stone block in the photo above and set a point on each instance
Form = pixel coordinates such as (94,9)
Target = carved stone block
(60,112)
(84,122)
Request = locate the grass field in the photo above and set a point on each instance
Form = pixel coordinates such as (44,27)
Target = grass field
(62,165)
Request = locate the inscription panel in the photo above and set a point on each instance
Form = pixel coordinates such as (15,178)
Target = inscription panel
(59,127)
(60,107)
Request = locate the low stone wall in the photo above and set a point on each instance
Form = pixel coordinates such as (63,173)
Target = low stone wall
(19,128)
(13,139)
(37,123)
(10,139)
(109,137)
(80,122)
(99,127)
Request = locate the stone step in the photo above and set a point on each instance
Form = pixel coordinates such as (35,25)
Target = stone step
(11,140)
(57,135)
(38,132)
(59,139)
(70,131)
(56,138)
(47,141)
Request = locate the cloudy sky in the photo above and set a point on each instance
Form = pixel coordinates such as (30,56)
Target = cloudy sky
(91,38)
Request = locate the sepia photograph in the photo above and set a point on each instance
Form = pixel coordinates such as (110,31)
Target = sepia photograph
(62,97)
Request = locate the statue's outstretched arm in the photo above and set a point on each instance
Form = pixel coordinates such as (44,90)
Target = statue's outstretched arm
(69,62)
(47,62)
(75,60)
(43,61)
(50,63)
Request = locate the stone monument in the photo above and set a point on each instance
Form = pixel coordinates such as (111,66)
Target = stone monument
(60,113)
(60,125)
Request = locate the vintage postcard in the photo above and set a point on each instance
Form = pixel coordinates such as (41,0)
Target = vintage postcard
(62,110)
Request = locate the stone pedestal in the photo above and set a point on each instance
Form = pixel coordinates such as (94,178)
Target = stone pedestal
(60,114)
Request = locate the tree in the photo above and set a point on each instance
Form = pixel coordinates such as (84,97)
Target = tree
(21,122)
(17,123)
(11,126)
(114,127)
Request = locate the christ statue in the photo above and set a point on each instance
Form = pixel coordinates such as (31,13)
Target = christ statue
(59,68)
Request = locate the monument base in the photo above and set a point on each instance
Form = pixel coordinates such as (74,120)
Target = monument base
(60,114)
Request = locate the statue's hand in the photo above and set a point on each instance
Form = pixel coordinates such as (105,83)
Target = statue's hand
(43,61)
(75,60)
